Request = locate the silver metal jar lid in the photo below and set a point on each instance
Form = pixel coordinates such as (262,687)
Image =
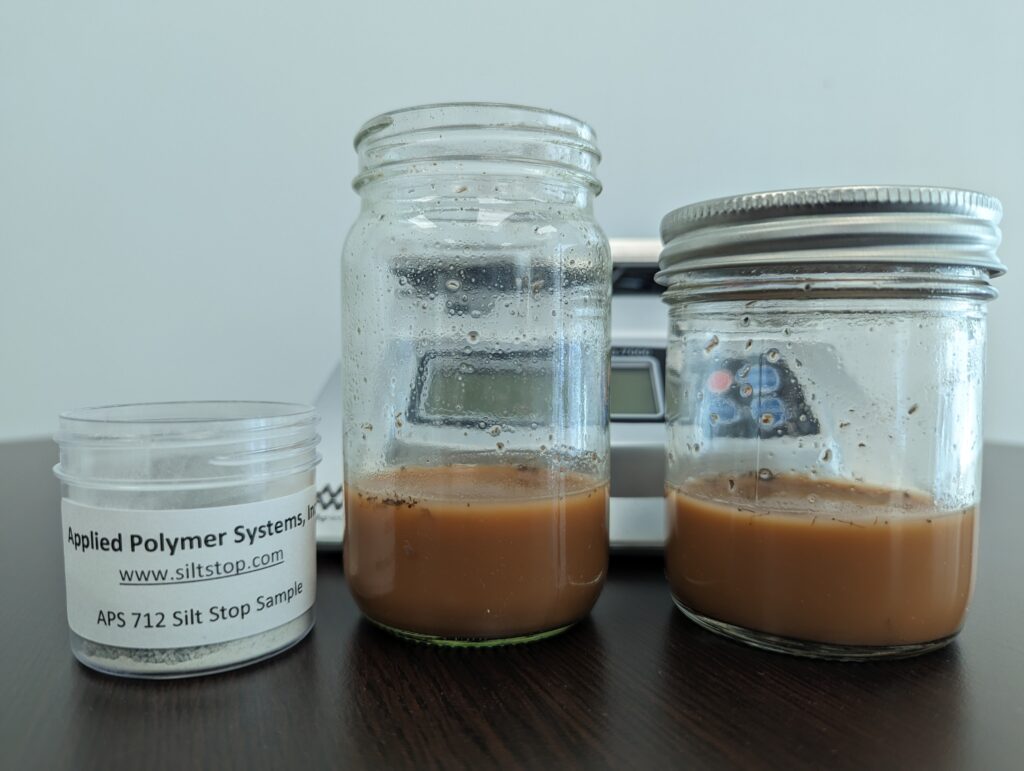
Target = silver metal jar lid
(857,224)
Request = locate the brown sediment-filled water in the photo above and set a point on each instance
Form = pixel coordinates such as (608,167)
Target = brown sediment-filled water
(481,552)
(826,561)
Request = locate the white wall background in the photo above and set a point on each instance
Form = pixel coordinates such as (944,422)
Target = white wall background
(174,177)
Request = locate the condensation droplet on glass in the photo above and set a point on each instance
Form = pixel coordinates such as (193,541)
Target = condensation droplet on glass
(452,285)
(472,336)
(765,474)
(772,355)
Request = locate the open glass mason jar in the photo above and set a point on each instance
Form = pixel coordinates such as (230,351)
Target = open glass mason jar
(825,368)
(475,307)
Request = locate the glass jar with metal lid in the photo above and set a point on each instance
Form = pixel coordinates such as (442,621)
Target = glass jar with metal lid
(825,371)
(475,307)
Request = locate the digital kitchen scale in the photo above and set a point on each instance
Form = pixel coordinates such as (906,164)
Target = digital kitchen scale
(636,407)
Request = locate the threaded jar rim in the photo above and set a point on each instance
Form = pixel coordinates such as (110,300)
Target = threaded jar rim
(432,138)
(230,442)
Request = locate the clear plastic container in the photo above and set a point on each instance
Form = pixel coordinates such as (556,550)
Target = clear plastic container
(189,534)
(825,372)
(476,295)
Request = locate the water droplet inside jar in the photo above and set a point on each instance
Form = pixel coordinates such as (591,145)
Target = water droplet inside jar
(765,474)
(452,285)
(473,336)
(772,355)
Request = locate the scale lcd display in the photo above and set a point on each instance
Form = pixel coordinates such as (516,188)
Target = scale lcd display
(631,391)
(466,392)
(520,390)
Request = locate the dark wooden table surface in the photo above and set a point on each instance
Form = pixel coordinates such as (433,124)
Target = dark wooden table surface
(635,686)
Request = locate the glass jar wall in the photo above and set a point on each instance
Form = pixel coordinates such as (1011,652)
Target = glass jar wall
(476,293)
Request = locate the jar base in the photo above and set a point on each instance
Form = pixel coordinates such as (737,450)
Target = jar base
(173,663)
(470,642)
(810,649)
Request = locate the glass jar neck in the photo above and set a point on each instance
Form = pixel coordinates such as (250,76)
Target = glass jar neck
(477,153)
(861,281)
(462,190)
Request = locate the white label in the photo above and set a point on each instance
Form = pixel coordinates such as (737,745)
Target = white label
(183,577)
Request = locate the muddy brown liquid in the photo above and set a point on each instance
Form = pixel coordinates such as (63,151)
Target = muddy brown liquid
(829,562)
(476,551)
